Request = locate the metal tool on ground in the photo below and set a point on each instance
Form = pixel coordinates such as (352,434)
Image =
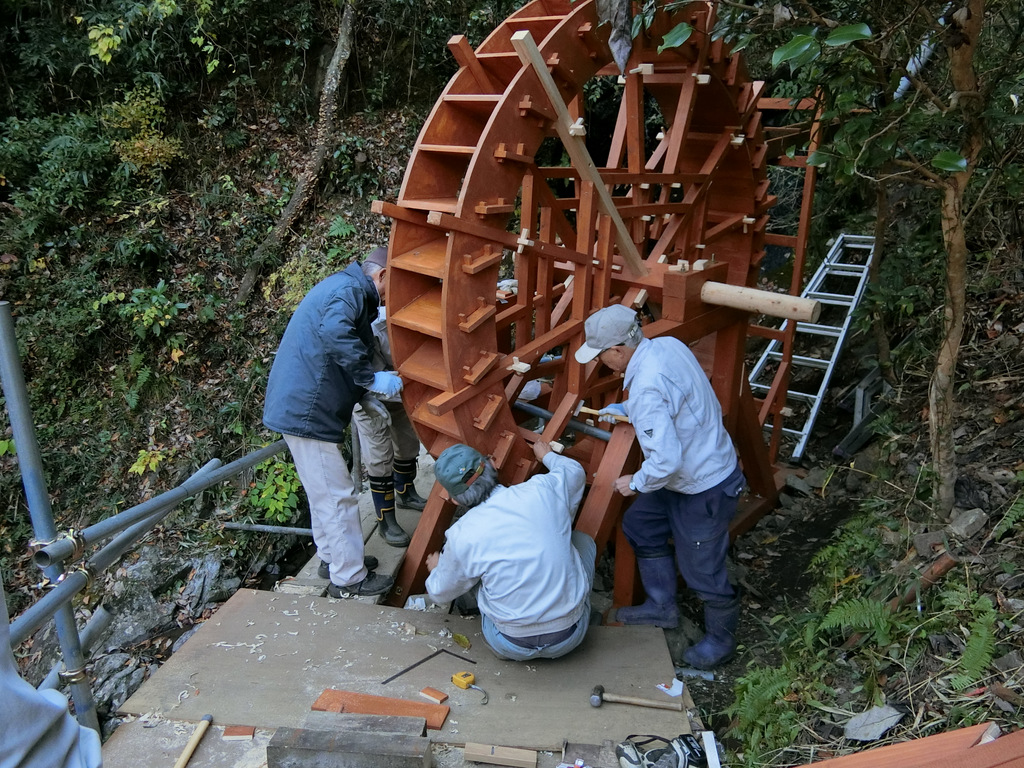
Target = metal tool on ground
(466,680)
(438,652)
(197,736)
(598,696)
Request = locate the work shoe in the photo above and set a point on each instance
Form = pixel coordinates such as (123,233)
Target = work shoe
(629,755)
(373,584)
(719,642)
(658,575)
(324,569)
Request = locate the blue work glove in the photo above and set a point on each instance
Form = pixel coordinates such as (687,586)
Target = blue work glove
(386,384)
(613,413)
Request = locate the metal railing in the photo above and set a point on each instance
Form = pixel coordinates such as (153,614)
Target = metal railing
(126,528)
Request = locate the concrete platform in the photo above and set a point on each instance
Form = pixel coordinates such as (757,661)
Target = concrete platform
(265,658)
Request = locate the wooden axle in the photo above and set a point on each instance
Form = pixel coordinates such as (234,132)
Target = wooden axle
(764,302)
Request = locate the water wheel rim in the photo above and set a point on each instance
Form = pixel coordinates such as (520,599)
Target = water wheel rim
(450,334)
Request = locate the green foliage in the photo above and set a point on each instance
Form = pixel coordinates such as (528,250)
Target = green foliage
(352,170)
(862,614)
(7,448)
(1012,517)
(767,709)
(980,647)
(51,165)
(137,121)
(819,669)
(275,494)
(129,384)
(151,310)
(963,607)
(148,460)
(676,36)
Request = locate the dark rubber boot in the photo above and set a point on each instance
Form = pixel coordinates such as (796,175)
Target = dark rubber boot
(658,575)
(405,487)
(719,642)
(383,492)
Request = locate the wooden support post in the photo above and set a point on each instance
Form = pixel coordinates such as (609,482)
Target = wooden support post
(466,57)
(428,537)
(530,55)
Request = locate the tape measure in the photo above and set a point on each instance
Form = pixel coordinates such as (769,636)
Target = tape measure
(463,679)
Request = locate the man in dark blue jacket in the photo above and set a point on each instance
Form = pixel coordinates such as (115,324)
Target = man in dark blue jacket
(322,369)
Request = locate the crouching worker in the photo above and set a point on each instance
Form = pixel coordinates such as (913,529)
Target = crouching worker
(516,545)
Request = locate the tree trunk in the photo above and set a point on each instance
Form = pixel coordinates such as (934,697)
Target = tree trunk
(874,277)
(309,178)
(941,390)
(943,380)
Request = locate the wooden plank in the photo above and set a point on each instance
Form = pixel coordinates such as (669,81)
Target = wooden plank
(932,750)
(316,720)
(489,753)
(334,700)
(434,695)
(300,748)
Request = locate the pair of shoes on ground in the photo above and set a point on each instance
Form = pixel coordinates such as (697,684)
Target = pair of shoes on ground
(374,584)
(324,569)
(684,751)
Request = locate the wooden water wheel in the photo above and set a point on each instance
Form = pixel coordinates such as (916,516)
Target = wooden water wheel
(662,223)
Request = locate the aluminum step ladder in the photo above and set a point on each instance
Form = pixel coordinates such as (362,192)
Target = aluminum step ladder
(839,284)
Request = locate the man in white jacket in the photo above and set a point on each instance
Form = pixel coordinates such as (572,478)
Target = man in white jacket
(516,544)
(36,729)
(688,484)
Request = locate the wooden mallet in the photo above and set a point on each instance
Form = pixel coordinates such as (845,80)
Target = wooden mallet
(594,412)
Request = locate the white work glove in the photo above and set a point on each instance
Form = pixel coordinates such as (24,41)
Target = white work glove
(386,383)
(613,413)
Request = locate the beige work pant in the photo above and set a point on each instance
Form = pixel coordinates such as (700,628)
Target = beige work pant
(381,443)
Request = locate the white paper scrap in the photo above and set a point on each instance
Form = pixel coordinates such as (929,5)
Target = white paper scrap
(675,688)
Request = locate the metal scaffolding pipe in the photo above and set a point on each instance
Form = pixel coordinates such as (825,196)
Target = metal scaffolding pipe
(75,581)
(259,527)
(41,513)
(64,548)
(37,615)
(578,426)
(90,635)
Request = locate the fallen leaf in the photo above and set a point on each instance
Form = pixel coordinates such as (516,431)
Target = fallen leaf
(462,640)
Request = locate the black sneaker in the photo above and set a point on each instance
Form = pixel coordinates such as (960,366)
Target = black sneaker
(324,569)
(373,584)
